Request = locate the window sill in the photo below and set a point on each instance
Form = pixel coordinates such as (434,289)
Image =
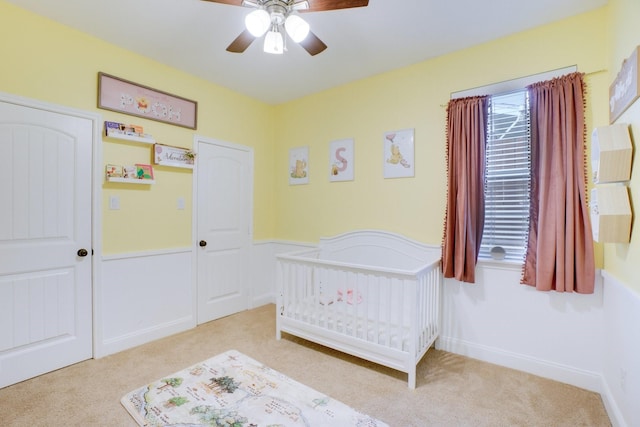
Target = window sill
(500,264)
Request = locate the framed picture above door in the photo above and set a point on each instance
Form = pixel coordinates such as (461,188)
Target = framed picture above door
(126,97)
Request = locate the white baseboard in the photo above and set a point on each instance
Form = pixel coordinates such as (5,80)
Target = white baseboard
(567,374)
(263,300)
(612,407)
(144,336)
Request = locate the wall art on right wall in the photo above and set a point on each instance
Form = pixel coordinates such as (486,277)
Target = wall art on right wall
(398,157)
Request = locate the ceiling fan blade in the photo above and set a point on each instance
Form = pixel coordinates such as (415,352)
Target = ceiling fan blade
(241,43)
(231,2)
(321,5)
(313,44)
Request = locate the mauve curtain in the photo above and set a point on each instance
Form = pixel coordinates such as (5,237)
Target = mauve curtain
(464,218)
(560,247)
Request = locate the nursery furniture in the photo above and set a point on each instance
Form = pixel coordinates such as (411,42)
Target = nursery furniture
(369,293)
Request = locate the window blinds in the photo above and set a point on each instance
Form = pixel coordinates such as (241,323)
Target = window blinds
(507,180)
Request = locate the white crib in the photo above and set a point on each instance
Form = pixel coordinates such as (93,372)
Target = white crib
(372,294)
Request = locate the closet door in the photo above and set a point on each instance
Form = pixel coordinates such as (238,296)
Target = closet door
(224,218)
(45,241)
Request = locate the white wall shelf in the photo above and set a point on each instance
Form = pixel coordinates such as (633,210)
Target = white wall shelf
(611,214)
(130,180)
(117,173)
(131,138)
(174,164)
(611,154)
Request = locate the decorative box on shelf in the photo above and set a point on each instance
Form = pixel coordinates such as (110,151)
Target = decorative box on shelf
(611,154)
(611,214)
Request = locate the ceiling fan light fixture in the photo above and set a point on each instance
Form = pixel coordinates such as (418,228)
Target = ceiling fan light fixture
(296,27)
(274,43)
(258,22)
(300,5)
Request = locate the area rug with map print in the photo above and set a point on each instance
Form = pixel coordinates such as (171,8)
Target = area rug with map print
(233,390)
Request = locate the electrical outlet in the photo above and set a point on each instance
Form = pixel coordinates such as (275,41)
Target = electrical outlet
(114,202)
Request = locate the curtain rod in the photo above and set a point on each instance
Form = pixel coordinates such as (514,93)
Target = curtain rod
(515,83)
(566,69)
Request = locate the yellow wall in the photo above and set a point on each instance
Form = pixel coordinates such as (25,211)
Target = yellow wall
(413,97)
(50,62)
(621,260)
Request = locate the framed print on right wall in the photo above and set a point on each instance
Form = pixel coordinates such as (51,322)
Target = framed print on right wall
(398,159)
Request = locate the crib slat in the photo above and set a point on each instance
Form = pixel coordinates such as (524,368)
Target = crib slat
(353,303)
(374,286)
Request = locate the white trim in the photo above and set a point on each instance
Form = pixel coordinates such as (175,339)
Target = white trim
(588,380)
(514,84)
(96,248)
(144,336)
(611,406)
(616,410)
(611,278)
(96,194)
(286,243)
(500,264)
(128,255)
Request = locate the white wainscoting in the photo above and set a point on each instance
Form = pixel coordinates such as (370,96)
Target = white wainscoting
(549,334)
(263,269)
(144,297)
(262,273)
(621,344)
(590,341)
(151,295)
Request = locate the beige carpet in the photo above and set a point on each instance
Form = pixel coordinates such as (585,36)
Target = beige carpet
(451,390)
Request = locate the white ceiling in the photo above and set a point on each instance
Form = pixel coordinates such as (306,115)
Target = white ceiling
(192,35)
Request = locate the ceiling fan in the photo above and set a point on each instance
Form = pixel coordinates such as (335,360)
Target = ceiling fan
(275,17)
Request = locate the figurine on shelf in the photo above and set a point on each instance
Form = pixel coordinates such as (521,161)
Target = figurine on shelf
(191,156)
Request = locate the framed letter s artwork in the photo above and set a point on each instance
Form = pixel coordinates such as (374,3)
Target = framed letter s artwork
(341,160)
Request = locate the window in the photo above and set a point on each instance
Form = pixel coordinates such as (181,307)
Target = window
(508,163)
(508,176)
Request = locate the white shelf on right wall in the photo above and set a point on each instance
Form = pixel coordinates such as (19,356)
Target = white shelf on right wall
(611,158)
(611,214)
(611,154)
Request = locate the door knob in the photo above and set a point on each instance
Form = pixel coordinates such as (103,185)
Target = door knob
(82,252)
(203,243)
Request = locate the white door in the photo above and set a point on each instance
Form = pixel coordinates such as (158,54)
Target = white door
(223,230)
(45,227)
